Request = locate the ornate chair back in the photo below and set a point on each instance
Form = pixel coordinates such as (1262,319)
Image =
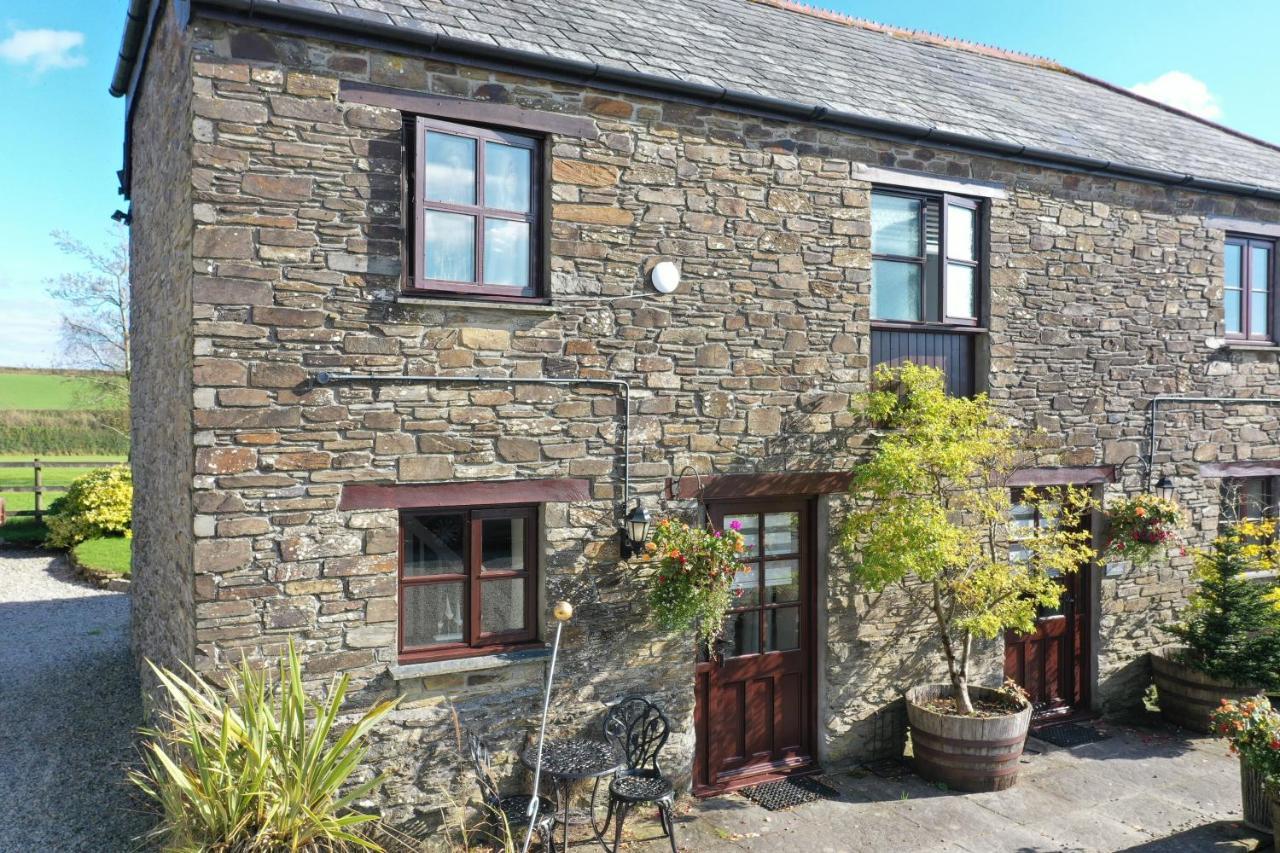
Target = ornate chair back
(483,765)
(638,729)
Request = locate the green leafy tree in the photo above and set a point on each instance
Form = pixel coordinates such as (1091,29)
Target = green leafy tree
(1232,626)
(932,513)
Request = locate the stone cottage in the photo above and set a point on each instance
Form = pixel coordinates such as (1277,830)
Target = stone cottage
(403,366)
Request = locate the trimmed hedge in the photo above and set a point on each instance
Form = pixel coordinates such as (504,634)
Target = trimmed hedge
(61,433)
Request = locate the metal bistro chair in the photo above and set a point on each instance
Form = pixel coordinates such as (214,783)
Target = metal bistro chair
(638,730)
(514,808)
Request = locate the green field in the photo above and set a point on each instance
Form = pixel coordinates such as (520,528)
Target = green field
(35,391)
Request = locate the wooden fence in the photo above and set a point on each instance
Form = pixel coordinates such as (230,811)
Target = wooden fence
(37,486)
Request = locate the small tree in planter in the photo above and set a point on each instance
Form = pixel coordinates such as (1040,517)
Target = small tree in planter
(1230,635)
(932,513)
(692,586)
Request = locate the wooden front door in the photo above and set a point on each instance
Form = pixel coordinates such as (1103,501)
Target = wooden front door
(1051,663)
(754,709)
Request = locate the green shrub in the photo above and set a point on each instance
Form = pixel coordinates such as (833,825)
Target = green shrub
(1232,628)
(98,504)
(246,771)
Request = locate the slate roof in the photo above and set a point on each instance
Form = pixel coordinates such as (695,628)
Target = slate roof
(820,58)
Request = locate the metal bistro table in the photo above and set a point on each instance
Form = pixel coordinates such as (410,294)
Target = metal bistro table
(569,760)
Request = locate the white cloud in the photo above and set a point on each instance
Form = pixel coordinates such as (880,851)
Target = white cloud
(43,49)
(1179,89)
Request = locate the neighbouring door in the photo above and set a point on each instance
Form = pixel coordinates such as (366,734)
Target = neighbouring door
(1051,663)
(754,708)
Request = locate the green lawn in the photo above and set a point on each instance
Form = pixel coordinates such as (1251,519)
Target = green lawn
(44,391)
(24,529)
(111,554)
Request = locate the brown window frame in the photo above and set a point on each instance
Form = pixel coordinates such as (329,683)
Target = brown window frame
(415,204)
(978,265)
(475,642)
(1241,506)
(1247,242)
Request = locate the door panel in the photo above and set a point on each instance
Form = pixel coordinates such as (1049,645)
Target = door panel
(754,706)
(1051,662)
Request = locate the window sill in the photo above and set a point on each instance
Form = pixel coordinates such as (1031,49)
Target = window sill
(1250,346)
(477,304)
(895,326)
(426,669)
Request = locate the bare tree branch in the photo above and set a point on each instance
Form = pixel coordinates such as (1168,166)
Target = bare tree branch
(95,314)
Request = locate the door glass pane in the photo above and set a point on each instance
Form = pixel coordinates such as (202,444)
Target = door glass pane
(961,235)
(1259,268)
(960,291)
(450,168)
(1258,312)
(895,290)
(433,545)
(1233,258)
(748,526)
(742,634)
(782,629)
(506,176)
(450,248)
(502,544)
(506,252)
(781,581)
(502,605)
(433,613)
(895,225)
(746,588)
(781,533)
(1231,304)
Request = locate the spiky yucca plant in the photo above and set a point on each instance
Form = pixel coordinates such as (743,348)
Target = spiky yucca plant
(256,767)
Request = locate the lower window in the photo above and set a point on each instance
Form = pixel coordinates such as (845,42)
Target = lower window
(1246,499)
(467,580)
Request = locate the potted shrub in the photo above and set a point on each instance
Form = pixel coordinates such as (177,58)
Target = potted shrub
(931,513)
(692,586)
(1140,527)
(1252,730)
(1230,636)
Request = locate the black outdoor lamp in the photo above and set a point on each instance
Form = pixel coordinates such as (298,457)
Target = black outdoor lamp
(1164,487)
(635,531)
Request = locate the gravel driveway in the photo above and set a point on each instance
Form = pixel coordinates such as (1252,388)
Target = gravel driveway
(69,703)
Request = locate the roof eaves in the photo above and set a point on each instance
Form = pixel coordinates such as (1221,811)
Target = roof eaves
(335,25)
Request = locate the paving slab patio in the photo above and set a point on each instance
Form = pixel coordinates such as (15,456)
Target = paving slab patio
(1146,789)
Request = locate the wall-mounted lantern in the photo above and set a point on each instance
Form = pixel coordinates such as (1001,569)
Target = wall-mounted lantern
(635,531)
(1164,488)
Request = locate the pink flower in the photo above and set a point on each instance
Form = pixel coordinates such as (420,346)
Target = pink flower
(735,525)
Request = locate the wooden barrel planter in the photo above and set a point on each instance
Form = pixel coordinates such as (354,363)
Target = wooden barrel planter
(1187,695)
(966,753)
(1256,798)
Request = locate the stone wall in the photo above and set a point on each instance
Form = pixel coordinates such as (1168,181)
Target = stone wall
(161,333)
(1102,294)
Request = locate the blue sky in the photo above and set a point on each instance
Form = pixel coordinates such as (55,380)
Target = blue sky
(61,141)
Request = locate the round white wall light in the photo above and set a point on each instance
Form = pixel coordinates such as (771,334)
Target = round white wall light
(665,277)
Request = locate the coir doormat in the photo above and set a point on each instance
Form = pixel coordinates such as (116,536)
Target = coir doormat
(789,793)
(1069,734)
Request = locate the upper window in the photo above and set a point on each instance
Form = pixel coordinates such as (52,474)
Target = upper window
(1248,298)
(926,258)
(475,211)
(466,580)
